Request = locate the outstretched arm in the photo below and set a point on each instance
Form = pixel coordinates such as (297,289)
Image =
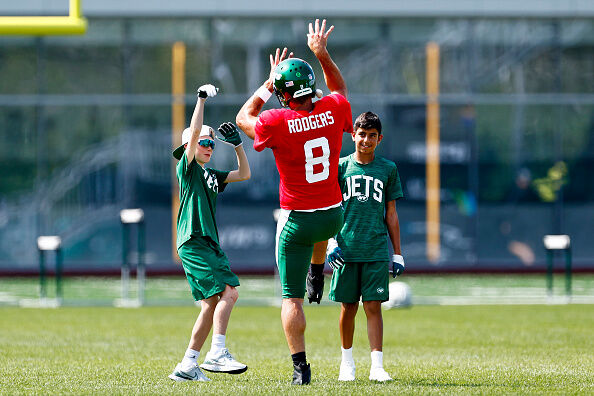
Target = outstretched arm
(204,92)
(230,136)
(195,126)
(243,167)
(317,40)
(248,114)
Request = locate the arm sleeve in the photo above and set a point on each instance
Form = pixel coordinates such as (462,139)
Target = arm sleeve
(345,110)
(394,190)
(263,129)
(185,171)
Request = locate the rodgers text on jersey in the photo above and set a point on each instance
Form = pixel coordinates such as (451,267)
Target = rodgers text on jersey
(312,122)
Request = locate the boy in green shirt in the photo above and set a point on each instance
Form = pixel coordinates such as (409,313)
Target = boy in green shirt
(370,186)
(205,264)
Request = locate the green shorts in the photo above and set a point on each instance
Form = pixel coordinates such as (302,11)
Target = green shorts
(365,281)
(296,233)
(206,267)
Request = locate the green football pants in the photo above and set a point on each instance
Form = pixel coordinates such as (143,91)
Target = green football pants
(296,233)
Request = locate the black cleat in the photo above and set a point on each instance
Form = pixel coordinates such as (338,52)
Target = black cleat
(314,286)
(301,374)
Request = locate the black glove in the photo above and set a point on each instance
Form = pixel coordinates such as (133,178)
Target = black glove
(315,284)
(230,134)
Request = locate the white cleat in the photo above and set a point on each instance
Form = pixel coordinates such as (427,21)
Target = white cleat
(193,374)
(347,371)
(379,374)
(223,363)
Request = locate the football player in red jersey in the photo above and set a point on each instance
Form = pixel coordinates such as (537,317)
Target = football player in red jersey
(306,138)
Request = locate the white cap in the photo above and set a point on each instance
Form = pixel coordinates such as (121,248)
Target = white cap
(205,131)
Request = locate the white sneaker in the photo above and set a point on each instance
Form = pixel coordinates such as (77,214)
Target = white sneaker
(347,371)
(194,374)
(223,363)
(379,374)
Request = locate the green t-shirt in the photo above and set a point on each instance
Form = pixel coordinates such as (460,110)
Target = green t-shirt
(365,191)
(198,190)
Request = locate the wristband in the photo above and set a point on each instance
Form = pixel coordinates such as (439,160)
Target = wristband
(263,93)
(398,259)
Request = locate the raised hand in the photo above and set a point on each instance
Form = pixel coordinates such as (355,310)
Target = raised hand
(207,91)
(275,60)
(317,37)
(230,134)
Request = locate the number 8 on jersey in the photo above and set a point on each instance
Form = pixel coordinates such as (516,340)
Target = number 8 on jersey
(310,160)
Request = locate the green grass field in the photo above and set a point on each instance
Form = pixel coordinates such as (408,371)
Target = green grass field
(494,349)
(426,289)
(463,335)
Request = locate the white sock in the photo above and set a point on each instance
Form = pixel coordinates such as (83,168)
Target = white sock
(347,355)
(190,359)
(218,343)
(377,359)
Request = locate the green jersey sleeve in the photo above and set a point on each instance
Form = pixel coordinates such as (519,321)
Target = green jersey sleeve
(185,172)
(394,188)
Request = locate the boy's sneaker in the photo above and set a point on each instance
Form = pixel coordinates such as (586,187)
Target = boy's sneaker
(194,374)
(379,374)
(223,363)
(347,371)
(301,374)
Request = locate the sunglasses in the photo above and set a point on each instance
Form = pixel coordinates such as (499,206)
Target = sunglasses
(207,143)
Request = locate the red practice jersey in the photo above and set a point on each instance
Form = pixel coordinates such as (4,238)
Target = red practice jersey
(306,147)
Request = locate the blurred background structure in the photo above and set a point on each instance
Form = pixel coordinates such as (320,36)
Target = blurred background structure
(86,124)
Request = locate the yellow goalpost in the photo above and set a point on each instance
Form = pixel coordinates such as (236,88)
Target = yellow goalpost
(72,24)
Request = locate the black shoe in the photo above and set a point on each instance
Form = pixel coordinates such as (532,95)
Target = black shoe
(301,374)
(315,287)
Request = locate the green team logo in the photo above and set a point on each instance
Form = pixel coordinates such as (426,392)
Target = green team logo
(297,74)
(380,290)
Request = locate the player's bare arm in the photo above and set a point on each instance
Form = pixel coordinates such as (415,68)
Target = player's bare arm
(397,267)
(229,134)
(393,226)
(195,126)
(243,167)
(248,114)
(317,40)
(204,92)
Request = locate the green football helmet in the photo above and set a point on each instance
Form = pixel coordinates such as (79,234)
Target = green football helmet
(293,78)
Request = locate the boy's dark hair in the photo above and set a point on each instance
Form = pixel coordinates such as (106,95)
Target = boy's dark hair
(368,120)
